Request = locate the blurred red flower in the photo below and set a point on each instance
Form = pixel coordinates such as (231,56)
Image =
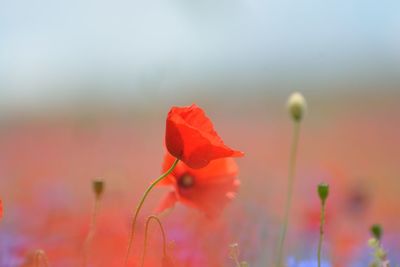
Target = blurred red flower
(208,189)
(190,137)
(167,262)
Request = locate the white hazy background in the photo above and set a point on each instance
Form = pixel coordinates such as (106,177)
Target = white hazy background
(55,52)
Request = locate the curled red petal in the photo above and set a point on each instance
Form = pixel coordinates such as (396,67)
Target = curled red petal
(190,137)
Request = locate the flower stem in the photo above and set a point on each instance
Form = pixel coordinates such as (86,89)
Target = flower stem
(237,262)
(234,253)
(92,230)
(153,217)
(292,167)
(40,256)
(139,207)
(321,233)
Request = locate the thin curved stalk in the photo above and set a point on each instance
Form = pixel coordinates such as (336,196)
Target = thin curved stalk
(139,207)
(321,234)
(155,218)
(291,174)
(92,231)
(40,257)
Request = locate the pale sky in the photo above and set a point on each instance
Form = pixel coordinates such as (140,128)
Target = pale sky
(51,48)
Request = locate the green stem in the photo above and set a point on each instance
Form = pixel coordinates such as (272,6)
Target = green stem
(153,217)
(92,230)
(237,262)
(139,207)
(292,167)
(321,233)
(40,256)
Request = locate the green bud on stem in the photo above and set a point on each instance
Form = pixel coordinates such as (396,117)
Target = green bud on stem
(323,191)
(296,106)
(98,187)
(376,231)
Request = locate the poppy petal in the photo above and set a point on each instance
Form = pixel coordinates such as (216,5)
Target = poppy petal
(190,137)
(210,198)
(167,262)
(167,203)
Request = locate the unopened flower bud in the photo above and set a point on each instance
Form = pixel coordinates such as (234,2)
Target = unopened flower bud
(376,231)
(323,191)
(297,106)
(98,187)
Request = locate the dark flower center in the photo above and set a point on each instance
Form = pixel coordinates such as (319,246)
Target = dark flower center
(358,201)
(186,180)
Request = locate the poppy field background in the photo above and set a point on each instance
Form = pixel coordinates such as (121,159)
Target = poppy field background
(85,91)
(348,140)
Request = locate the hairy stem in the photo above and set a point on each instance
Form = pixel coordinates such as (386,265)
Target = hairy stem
(321,233)
(155,218)
(139,207)
(92,231)
(291,173)
(40,257)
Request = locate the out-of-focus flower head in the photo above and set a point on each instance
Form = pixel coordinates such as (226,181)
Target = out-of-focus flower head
(167,262)
(208,189)
(306,263)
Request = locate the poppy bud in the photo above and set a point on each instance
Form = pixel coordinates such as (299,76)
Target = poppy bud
(376,231)
(297,106)
(323,191)
(98,187)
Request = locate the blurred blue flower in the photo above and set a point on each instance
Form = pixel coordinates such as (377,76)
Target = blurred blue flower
(10,246)
(307,263)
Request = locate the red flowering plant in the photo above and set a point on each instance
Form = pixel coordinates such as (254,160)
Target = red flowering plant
(193,143)
(202,173)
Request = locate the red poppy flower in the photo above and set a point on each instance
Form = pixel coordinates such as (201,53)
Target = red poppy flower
(208,189)
(167,262)
(190,137)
